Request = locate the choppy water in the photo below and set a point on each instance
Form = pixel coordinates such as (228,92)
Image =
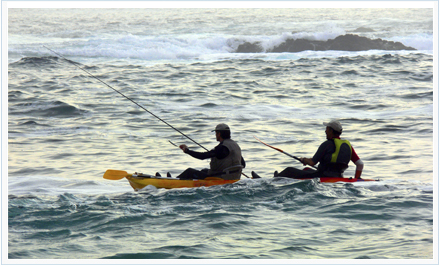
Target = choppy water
(65,129)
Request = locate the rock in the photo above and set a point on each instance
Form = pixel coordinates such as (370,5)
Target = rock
(348,42)
(298,45)
(249,48)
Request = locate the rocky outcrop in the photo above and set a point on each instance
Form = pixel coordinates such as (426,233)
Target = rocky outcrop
(249,48)
(348,42)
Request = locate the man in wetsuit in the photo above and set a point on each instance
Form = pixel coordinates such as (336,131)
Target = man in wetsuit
(333,156)
(225,155)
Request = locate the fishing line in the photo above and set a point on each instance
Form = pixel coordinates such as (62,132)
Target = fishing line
(93,76)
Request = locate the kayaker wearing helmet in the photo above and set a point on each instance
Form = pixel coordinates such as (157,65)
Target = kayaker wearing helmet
(333,156)
(226,159)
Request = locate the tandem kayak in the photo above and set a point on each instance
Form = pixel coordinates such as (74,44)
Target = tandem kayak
(139,180)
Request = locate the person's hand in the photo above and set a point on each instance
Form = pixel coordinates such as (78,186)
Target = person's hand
(303,161)
(183,147)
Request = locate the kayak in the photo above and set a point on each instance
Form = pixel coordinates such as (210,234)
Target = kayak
(139,180)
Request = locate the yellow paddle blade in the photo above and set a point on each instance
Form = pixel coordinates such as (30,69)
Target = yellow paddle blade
(114,174)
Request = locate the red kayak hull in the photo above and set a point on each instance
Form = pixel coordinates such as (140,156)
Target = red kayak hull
(339,179)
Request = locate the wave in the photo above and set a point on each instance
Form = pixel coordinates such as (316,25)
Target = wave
(264,189)
(84,214)
(46,109)
(48,61)
(189,46)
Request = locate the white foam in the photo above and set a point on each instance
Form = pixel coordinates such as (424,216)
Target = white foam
(53,186)
(421,41)
(180,47)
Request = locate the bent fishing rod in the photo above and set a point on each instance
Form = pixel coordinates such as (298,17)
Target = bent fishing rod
(282,151)
(93,76)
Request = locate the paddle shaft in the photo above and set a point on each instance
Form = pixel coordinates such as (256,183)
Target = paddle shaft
(93,76)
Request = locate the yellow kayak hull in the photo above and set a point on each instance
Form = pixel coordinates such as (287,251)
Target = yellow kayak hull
(139,182)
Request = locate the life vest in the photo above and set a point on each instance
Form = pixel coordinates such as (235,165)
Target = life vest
(342,154)
(233,159)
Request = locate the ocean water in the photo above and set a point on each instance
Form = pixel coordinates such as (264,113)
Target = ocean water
(65,129)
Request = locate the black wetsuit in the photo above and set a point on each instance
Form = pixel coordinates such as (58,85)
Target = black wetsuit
(325,169)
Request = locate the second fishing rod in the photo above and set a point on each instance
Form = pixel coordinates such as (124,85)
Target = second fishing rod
(140,106)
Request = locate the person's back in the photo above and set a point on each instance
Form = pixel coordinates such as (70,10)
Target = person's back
(233,159)
(226,158)
(333,157)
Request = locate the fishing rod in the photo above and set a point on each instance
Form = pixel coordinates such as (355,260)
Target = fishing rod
(93,76)
(281,151)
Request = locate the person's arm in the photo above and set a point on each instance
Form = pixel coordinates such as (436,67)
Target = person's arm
(318,155)
(200,155)
(358,162)
(219,152)
(307,161)
(359,167)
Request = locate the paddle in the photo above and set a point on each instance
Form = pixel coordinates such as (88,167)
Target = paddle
(280,150)
(115,174)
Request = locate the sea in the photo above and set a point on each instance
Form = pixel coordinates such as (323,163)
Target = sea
(76,73)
